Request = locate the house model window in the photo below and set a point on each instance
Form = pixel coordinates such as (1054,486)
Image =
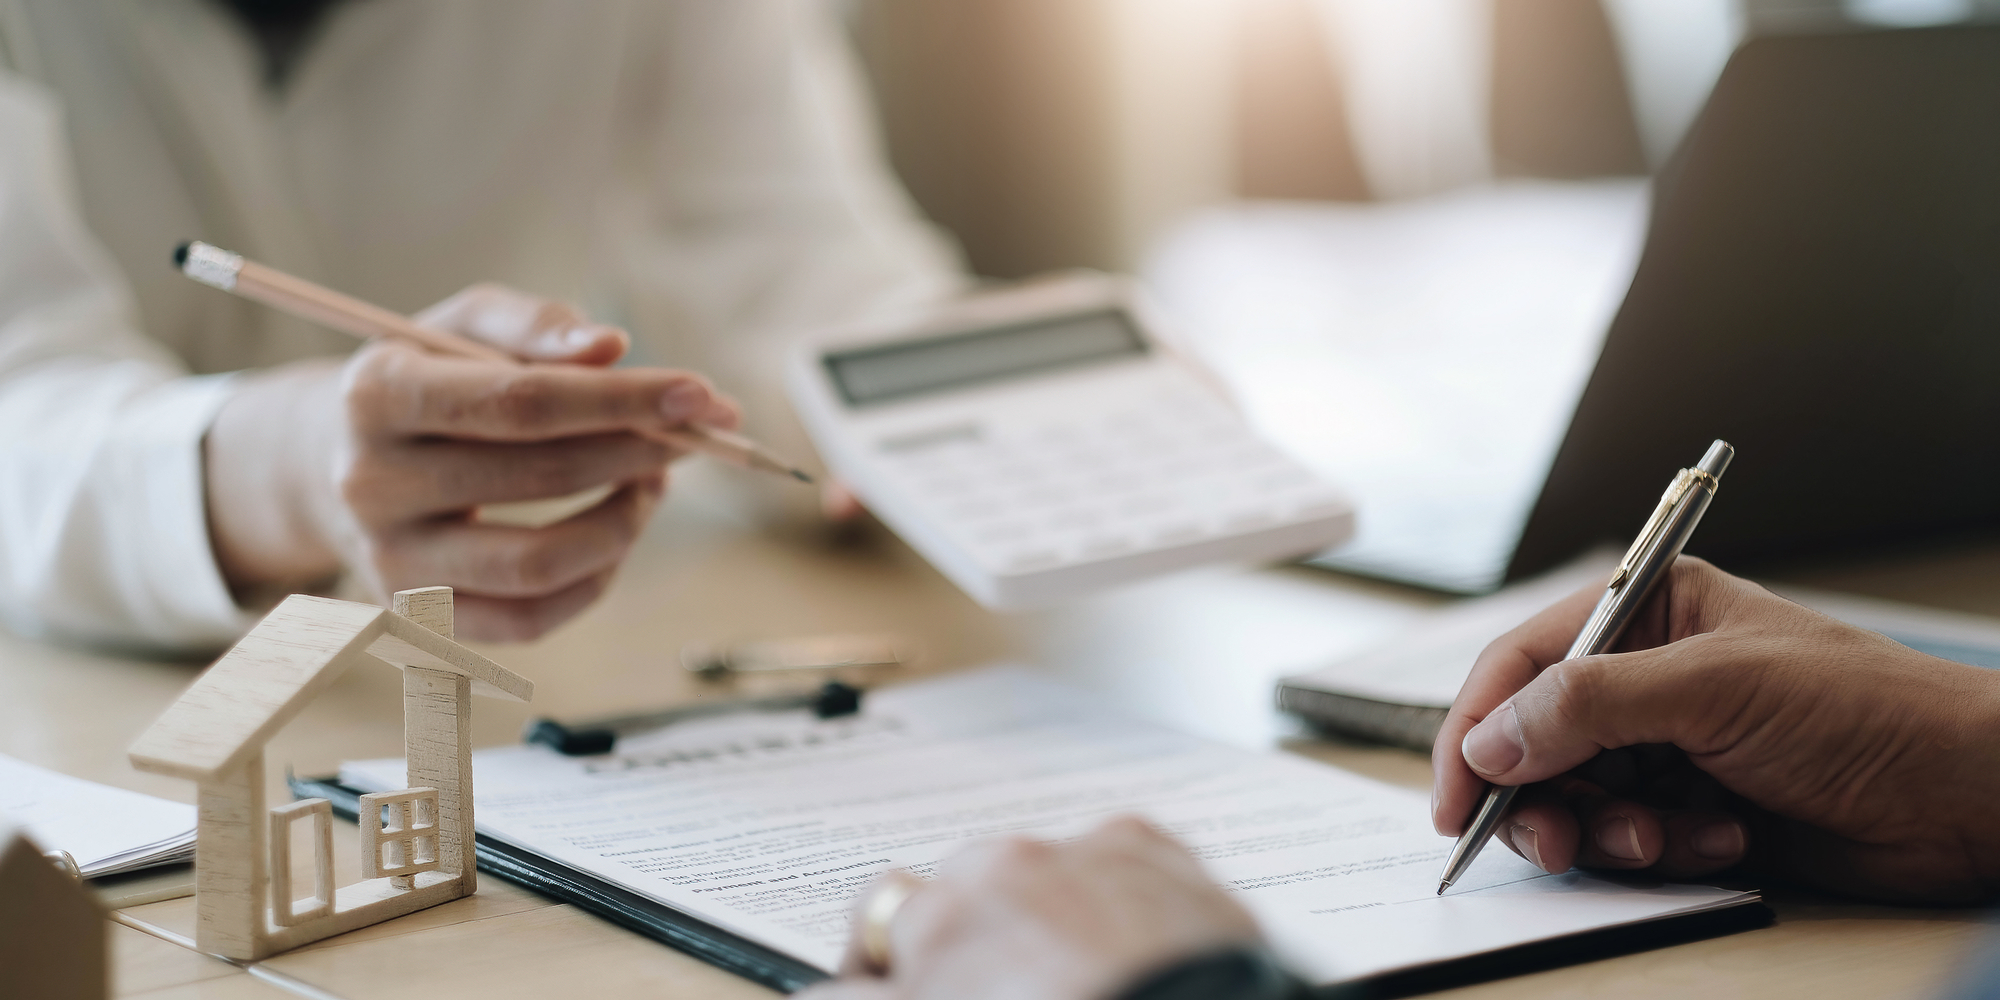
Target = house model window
(416,844)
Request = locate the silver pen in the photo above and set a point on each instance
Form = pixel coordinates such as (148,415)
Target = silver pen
(1645,563)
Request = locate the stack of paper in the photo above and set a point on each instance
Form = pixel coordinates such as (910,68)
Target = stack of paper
(109,831)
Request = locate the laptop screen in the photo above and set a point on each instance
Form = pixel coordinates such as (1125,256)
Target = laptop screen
(1821,287)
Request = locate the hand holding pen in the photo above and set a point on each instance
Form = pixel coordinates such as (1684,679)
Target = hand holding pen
(1731,730)
(380,465)
(1637,574)
(1738,732)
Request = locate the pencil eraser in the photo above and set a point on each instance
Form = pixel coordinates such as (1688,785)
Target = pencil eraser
(210,265)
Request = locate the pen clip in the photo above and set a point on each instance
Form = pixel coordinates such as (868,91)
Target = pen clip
(1676,492)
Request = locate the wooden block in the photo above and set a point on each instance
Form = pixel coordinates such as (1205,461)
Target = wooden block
(407,643)
(437,740)
(230,858)
(286,909)
(430,607)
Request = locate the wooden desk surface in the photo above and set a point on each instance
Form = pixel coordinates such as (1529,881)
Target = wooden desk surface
(1197,651)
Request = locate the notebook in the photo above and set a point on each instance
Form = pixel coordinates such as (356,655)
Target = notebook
(745,839)
(1399,694)
(109,831)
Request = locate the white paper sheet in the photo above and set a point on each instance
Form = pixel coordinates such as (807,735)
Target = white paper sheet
(107,830)
(768,825)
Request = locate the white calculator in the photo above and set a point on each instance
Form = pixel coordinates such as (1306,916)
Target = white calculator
(1040,443)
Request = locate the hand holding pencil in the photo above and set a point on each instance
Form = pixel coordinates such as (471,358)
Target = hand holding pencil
(384,465)
(214,266)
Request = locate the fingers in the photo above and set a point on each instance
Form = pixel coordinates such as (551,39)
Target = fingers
(1081,918)
(415,479)
(1512,685)
(857,959)
(528,326)
(499,560)
(839,504)
(1679,694)
(1506,666)
(1580,826)
(514,583)
(1702,843)
(502,619)
(397,391)
(1542,830)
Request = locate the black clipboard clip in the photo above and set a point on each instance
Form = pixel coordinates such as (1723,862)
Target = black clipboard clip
(830,701)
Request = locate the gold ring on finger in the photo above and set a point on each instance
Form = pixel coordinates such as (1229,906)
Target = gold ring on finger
(878,917)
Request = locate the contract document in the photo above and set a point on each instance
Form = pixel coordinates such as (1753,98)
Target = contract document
(769,825)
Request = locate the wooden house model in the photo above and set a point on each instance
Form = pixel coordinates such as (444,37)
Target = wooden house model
(416,844)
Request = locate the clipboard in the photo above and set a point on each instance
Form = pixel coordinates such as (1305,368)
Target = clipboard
(609,900)
(766,967)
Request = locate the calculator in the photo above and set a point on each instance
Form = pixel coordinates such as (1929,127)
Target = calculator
(1042,442)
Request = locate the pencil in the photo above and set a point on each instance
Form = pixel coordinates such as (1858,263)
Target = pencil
(231,272)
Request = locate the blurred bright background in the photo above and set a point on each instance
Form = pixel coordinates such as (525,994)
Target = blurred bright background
(1059,133)
(1399,229)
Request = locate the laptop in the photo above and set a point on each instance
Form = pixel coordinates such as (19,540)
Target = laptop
(1820,286)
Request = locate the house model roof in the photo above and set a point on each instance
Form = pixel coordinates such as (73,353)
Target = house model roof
(266,679)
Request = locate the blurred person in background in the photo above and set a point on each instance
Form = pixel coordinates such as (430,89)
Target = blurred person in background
(700,172)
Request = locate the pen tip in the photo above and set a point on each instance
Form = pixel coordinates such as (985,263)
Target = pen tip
(1442,886)
(181,254)
(799,474)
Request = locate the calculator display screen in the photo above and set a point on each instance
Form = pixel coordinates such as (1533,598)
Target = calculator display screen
(913,368)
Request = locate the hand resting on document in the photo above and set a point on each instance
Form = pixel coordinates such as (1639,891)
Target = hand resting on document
(377,466)
(1085,920)
(1734,728)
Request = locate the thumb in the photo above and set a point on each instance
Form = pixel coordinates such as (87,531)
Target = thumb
(1578,708)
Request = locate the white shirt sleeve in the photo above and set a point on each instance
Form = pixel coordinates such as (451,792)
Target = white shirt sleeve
(103,519)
